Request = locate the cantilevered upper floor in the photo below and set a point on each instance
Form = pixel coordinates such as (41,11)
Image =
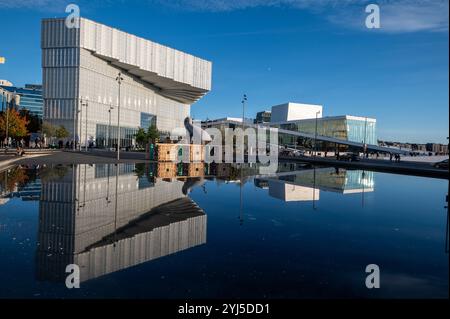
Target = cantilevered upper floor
(178,75)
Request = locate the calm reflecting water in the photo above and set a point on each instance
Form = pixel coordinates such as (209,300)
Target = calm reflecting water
(144,231)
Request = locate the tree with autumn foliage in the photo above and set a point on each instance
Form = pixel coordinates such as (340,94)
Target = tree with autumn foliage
(17,124)
(11,178)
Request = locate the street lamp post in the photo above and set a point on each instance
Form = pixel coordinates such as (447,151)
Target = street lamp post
(119,80)
(315,135)
(76,111)
(7,126)
(108,132)
(244,99)
(365,134)
(81,118)
(86,124)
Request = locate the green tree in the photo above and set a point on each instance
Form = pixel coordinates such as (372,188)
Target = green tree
(48,129)
(61,132)
(141,137)
(153,133)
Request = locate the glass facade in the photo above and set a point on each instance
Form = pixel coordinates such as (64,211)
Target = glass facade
(361,131)
(107,136)
(344,128)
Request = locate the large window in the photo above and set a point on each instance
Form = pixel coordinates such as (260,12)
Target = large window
(362,131)
(147,120)
(107,136)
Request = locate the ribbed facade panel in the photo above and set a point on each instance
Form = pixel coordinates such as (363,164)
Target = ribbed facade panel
(54,34)
(128,48)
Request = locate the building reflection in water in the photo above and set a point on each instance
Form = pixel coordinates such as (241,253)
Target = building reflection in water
(105,219)
(305,185)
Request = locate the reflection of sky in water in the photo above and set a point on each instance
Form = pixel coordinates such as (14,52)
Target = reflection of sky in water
(204,245)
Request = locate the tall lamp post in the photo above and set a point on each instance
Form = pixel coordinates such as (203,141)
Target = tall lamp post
(365,134)
(119,80)
(108,134)
(244,99)
(315,135)
(76,111)
(7,126)
(85,104)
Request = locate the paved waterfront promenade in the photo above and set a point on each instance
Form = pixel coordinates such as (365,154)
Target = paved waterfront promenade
(53,157)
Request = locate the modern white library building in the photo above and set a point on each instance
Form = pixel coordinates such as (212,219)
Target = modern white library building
(83,90)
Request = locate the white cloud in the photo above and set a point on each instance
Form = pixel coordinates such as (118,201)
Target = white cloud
(416,17)
(396,15)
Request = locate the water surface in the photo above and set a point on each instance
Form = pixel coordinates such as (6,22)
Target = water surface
(224,232)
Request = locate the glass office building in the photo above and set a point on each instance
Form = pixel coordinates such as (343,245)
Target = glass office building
(349,128)
(30,98)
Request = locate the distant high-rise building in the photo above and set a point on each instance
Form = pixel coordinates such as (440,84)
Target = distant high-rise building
(8,99)
(30,98)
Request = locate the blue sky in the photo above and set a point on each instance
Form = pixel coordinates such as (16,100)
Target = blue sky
(280,50)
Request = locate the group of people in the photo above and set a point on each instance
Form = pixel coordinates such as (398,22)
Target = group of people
(395,157)
(68,145)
